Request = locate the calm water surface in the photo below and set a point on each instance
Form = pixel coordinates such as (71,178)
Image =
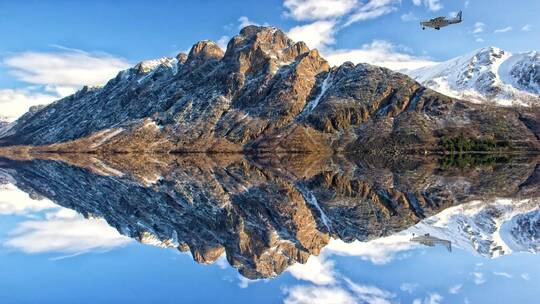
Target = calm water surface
(233,229)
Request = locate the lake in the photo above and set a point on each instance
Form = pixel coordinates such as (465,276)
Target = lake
(292,228)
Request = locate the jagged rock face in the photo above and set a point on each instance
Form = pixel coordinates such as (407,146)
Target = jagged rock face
(264,93)
(263,213)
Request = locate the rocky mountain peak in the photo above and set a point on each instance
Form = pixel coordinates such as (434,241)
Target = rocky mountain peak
(203,51)
(484,58)
(259,48)
(492,51)
(146,66)
(268,38)
(181,57)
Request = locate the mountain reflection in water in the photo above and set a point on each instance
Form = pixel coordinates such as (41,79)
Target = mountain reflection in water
(268,212)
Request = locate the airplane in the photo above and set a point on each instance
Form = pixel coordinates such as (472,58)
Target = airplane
(439,22)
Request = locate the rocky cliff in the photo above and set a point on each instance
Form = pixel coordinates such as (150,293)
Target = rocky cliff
(264,93)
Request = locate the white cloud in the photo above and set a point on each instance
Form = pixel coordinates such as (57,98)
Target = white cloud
(378,52)
(503,30)
(432,298)
(244,21)
(318,9)
(370,294)
(223,41)
(479,27)
(408,287)
(479,278)
(455,289)
(503,274)
(316,35)
(221,262)
(61,91)
(17,202)
(317,295)
(67,68)
(316,270)
(321,34)
(526,28)
(525,276)
(408,17)
(58,73)
(432,5)
(15,102)
(244,282)
(64,231)
(380,251)
(351,10)
(467,3)
(349,292)
(372,9)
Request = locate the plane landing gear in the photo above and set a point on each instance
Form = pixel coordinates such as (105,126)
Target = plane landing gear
(423,28)
(437,28)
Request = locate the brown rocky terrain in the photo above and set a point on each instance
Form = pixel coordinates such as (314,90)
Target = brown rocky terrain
(265,93)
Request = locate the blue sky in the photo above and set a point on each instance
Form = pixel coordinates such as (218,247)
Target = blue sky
(51,48)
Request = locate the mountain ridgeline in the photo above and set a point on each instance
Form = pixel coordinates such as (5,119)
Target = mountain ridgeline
(265,93)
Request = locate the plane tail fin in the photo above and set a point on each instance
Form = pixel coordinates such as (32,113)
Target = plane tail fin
(458,16)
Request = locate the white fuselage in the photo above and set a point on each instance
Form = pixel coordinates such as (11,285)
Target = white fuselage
(439,22)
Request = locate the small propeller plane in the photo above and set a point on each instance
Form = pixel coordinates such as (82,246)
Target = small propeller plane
(439,22)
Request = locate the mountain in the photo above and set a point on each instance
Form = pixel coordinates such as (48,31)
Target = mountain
(265,93)
(487,75)
(489,229)
(6,125)
(4,122)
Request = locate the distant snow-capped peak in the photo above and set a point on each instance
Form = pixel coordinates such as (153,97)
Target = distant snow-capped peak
(486,75)
(489,229)
(4,124)
(150,65)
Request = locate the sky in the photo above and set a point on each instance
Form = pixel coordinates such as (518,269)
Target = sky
(50,254)
(50,49)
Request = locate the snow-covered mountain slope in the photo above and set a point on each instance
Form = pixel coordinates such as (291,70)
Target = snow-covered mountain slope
(486,75)
(4,124)
(490,229)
